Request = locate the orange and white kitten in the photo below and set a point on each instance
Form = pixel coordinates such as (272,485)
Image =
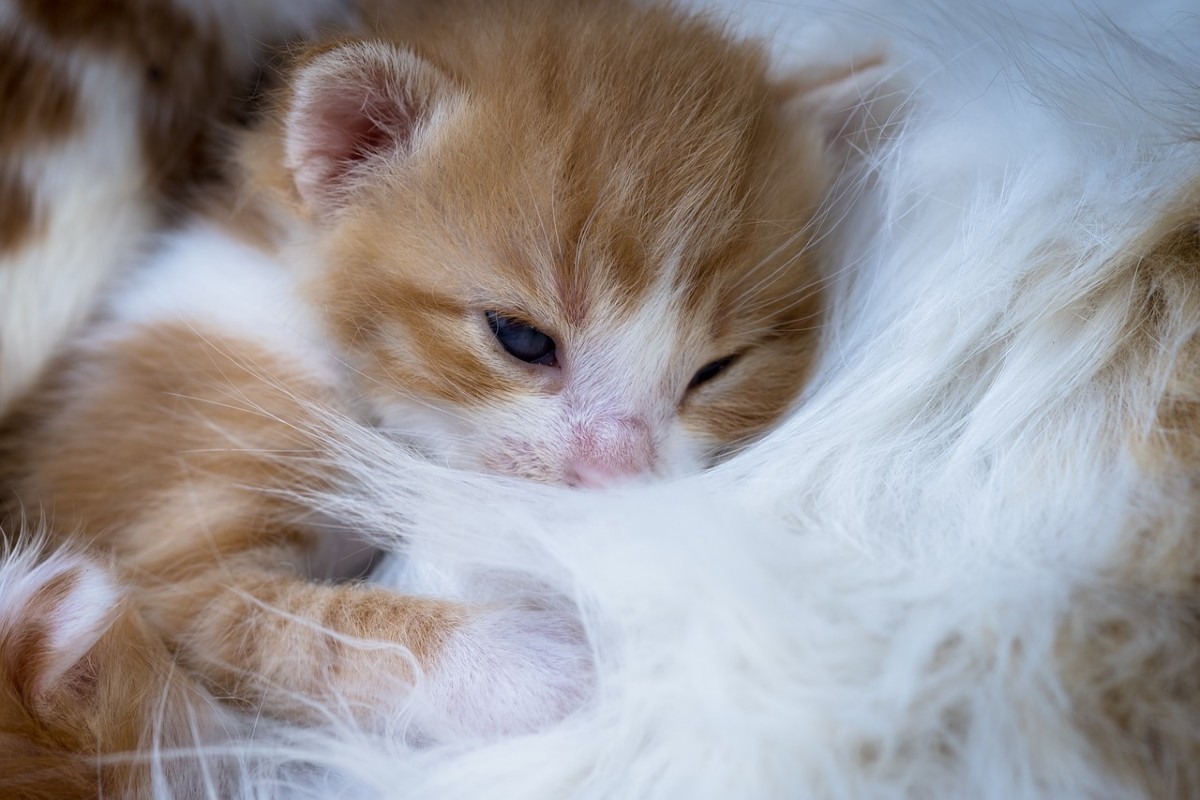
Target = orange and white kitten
(569,241)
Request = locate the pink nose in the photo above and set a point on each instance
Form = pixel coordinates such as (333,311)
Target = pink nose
(608,450)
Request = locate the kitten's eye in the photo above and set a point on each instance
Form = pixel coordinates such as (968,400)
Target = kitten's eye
(710,371)
(522,341)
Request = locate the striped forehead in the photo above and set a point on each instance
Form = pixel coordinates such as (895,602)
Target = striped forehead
(576,217)
(611,271)
(618,255)
(624,353)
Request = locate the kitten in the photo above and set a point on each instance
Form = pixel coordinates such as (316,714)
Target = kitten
(574,242)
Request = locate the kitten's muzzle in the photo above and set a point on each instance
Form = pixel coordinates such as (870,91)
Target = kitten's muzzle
(609,450)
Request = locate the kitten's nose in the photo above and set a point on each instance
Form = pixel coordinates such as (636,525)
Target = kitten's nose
(609,450)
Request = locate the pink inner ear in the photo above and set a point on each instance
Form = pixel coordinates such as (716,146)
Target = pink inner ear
(358,128)
(352,106)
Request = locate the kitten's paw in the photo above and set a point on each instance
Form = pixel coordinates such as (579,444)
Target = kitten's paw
(54,612)
(506,671)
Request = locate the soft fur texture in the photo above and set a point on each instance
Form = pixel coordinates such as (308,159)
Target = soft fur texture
(966,564)
(626,179)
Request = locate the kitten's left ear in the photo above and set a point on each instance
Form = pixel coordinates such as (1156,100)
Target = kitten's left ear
(354,107)
(854,105)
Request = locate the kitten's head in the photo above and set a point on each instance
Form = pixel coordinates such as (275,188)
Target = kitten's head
(573,243)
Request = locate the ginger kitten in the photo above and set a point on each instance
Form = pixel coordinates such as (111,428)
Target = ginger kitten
(574,242)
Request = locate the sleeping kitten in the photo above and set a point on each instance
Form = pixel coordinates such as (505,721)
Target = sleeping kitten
(575,242)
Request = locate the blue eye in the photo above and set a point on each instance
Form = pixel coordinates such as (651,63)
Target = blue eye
(710,371)
(522,341)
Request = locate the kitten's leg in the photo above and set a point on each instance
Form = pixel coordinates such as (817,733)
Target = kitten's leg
(176,453)
(302,648)
(257,630)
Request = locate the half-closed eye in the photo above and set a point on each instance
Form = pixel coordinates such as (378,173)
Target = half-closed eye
(712,370)
(521,340)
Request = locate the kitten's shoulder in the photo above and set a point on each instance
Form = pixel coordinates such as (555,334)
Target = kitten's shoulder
(225,287)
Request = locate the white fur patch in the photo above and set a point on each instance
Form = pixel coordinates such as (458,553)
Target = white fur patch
(508,671)
(221,287)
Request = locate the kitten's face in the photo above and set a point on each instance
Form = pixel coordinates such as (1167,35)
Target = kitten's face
(584,282)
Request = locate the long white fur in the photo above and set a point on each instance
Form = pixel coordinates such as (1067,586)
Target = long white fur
(824,614)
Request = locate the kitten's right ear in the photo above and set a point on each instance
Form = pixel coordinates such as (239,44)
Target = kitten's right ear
(353,107)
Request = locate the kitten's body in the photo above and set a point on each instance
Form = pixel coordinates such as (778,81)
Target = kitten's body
(625,180)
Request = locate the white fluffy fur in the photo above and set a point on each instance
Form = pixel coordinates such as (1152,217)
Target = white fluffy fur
(821,616)
(202,277)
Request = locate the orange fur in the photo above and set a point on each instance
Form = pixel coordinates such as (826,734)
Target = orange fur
(169,460)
